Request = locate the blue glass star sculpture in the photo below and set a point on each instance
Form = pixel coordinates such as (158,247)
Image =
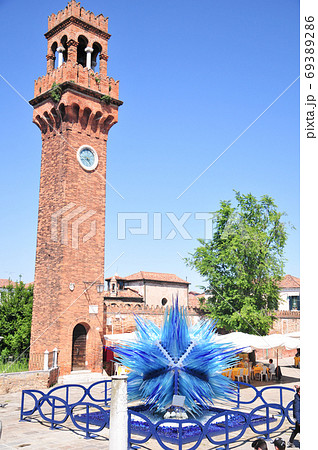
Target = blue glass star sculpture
(177,359)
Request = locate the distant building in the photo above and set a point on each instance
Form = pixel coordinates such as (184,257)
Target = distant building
(194,299)
(289,293)
(150,288)
(5,282)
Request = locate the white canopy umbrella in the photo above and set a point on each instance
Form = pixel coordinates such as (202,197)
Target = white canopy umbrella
(250,342)
(291,342)
(294,334)
(121,337)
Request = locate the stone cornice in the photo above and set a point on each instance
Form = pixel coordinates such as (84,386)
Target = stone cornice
(152,282)
(142,308)
(285,314)
(290,289)
(80,23)
(70,86)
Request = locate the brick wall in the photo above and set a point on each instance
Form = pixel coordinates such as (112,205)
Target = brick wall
(122,317)
(286,322)
(63,256)
(15,382)
(272,353)
(79,75)
(64,30)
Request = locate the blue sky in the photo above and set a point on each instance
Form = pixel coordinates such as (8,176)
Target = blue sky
(193,76)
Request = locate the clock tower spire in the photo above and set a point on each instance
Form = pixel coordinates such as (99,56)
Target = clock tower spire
(75,105)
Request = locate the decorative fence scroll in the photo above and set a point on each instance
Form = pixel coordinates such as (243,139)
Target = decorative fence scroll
(63,402)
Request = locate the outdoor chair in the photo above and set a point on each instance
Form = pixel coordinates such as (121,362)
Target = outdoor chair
(245,375)
(240,375)
(271,375)
(264,374)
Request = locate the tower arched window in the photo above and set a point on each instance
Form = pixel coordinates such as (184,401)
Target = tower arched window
(53,51)
(97,48)
(81,54)
(63,42)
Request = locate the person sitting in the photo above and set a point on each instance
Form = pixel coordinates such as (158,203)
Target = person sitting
(271,367)
(259,444)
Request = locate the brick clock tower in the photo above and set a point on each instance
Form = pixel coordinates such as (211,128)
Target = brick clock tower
(75,105)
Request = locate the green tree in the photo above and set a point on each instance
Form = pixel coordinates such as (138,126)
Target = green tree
(243,264)
(15,319)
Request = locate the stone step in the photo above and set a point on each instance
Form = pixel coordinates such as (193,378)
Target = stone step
(82,377)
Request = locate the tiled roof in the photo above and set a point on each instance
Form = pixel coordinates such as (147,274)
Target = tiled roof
(154,276)
(124,293)
(117,277)
(4,282)
(289,282)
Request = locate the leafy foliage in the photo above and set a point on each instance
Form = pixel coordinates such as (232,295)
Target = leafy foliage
(56,92)
(7,365)
(243,263)
(15,319)
(106,99)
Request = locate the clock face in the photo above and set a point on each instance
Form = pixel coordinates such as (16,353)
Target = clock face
(87,157)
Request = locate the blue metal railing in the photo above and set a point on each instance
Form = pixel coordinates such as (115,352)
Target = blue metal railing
(64,402)
(267,425)
(259,393)
(61,405)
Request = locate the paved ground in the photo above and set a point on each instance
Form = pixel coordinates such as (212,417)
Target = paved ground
(36,434)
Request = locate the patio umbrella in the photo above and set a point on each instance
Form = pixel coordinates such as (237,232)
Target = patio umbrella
(252,342)
(120,337)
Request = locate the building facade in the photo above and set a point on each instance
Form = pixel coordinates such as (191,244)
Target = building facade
(151,288)
(289,292)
